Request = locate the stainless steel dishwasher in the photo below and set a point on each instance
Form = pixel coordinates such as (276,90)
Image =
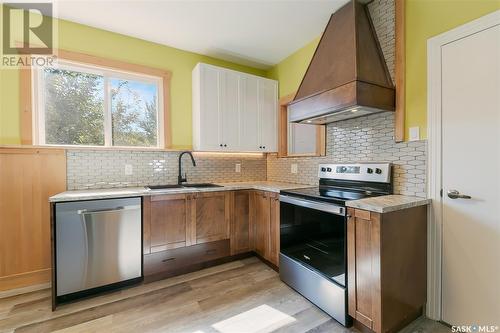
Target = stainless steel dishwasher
(98,246)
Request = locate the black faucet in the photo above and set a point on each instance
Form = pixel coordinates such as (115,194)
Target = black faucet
(180,179)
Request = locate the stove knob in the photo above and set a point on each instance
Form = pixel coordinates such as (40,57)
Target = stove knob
(378,171)
(343,169)
(323,169)
(329,169)
(369,170)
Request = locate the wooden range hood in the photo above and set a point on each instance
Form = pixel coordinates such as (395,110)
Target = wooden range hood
(347,76)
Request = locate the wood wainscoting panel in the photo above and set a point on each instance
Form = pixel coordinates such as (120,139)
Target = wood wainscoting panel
(28,177)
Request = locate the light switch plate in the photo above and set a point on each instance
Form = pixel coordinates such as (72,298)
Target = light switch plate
(129,169)
(293,168)
(414,133)
(237,167)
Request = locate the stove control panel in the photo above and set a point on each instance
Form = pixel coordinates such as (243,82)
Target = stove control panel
(370,172)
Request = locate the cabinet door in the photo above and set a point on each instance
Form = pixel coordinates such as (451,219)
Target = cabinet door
(363,267)
(268,111)
(249,115)
(207,121)
(274,248)
(168,227)
(212,216)
(262,222)
(240,222)
(229,111)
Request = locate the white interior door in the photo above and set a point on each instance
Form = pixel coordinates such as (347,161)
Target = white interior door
(471,165)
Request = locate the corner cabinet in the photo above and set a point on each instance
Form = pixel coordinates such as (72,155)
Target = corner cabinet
(264,218)
(233,111)
(386,267)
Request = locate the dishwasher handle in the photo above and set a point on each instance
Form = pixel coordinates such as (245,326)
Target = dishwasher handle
(108,210)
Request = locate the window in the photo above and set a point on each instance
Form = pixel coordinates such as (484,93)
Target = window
(297,140)
(81,104)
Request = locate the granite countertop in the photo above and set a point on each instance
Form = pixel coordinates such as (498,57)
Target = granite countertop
(141,191)
(388,203)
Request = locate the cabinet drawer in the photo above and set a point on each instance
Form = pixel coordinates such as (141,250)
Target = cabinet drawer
(171,260)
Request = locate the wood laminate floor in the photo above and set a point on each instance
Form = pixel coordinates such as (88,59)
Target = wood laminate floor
(240,296)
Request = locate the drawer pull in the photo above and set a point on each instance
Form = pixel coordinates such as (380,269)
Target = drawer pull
(168,259)
(212,251)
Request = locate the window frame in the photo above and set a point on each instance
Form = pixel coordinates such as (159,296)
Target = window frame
(32,117)
(284,132)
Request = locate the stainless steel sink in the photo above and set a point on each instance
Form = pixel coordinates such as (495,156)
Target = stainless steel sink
(175,186)
(201,185)
(162,187)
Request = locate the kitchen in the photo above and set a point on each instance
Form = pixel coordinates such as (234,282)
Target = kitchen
(200,190)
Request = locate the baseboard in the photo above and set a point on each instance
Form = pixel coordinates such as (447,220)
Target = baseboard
(25,280)
(24,290)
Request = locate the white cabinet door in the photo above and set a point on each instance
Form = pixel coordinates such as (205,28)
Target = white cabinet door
(249,113)
(268,111)
(207,122)
(229,110)
(233,111)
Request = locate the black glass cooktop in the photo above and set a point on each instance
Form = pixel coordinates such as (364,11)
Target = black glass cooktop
(331,194)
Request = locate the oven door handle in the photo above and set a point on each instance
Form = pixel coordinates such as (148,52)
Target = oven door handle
(324,207)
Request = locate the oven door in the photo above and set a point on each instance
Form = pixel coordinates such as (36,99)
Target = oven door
(314,234)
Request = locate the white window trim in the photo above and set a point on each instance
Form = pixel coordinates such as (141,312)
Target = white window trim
(39,112)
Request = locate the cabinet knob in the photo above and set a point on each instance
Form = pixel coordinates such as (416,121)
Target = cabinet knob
(220,145)
(264,147)
(225,145)
(260,147)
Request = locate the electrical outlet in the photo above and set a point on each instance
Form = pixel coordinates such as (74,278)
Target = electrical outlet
(237,167)
(414,133)
(129,169)
(293,168)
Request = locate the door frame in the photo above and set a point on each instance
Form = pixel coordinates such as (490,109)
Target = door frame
(434,143)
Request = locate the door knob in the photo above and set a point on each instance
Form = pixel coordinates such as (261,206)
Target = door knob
(454,194)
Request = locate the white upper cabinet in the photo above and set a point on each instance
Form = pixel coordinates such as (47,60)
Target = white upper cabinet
(268,106)
(207,124)
(230,110)
(249,113)
(233,111)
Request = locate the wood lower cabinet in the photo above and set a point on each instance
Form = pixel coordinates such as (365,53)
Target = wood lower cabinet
(240,236)
(182,226)
(265,222)
(274,247)
(177,225)
(167,222)
(212,214)
(175,261)
(387,274)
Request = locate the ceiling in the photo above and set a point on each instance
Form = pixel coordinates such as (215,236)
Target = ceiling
(250,32)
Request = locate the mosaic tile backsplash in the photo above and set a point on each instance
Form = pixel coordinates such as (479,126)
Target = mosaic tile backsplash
(103,169)
(368,139)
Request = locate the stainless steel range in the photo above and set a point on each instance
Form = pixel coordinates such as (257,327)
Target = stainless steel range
(313,232)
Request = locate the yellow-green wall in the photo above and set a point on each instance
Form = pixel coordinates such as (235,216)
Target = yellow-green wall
(289,72)
(85,39)
(424,19)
